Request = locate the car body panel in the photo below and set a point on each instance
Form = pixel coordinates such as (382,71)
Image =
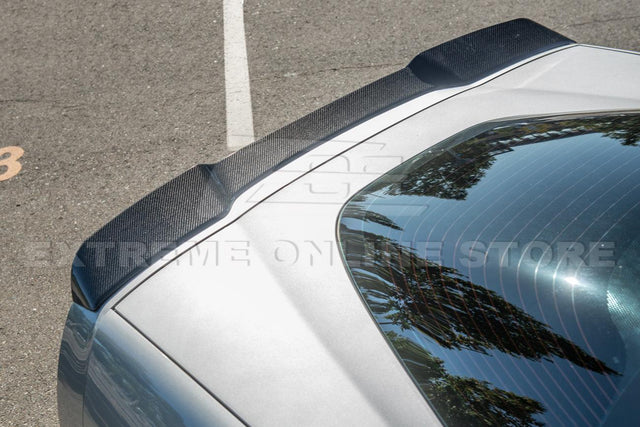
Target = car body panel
(75,351)
(129,382)
(270,339)
(74,364)
(264,313)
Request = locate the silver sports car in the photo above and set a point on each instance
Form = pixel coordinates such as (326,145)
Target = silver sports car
(456,243)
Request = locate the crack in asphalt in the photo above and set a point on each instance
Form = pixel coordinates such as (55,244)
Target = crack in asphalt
(602,21)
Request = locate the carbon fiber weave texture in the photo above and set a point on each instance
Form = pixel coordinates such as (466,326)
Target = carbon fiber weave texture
(196,199)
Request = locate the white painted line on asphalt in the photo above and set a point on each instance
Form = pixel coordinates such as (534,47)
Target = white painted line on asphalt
(236,76)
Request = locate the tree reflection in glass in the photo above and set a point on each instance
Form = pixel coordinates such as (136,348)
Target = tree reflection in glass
(427,306)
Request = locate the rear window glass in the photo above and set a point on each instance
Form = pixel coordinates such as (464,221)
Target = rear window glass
(502,267)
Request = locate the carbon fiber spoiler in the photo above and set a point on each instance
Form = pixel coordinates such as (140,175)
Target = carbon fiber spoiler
(202,195)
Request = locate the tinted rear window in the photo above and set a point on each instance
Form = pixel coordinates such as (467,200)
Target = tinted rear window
(502,266)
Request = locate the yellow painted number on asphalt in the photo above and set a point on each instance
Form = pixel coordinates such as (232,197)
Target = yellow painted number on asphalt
(11,164)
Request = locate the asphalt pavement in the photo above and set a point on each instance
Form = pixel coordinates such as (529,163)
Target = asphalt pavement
(108,100)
